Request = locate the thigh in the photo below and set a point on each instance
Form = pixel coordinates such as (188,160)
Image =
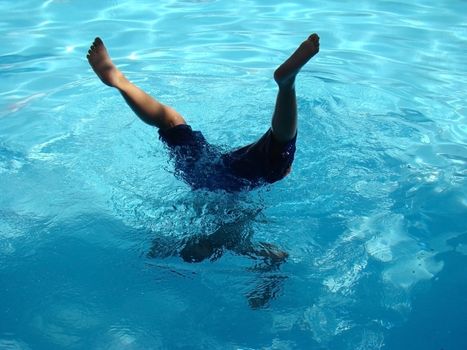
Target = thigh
(267,160)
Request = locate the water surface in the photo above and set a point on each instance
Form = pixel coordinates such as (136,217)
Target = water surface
(373,216)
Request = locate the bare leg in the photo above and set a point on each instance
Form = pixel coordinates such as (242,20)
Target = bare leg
(147,108)
(284,120)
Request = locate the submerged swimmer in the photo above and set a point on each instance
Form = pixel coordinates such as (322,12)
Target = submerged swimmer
(199,163)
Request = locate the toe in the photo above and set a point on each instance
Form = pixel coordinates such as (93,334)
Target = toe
(315,39)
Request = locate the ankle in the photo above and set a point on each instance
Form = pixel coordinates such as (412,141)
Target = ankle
(122,83)
(287,87)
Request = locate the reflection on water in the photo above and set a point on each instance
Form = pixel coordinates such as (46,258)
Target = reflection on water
(235,236)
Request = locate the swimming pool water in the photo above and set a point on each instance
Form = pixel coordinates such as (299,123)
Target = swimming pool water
(373,215)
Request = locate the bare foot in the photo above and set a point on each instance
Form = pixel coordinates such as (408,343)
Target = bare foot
(287,71)
(102,65)
(272,253)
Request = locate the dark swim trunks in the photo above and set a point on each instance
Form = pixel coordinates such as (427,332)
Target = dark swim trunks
(203,165)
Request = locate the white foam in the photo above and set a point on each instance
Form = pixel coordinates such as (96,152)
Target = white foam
(385,231)
(37,151)
(408,262)
(10,166)
(371,340)
(323,321)
(343,282)
(411,269)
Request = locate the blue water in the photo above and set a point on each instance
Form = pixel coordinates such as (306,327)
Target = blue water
(373,215)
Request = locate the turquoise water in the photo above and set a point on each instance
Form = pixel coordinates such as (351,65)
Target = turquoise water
(373,215)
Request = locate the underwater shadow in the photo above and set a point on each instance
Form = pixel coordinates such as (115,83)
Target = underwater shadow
(236,237)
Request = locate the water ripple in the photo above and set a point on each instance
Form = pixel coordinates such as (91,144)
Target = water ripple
(375,205)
